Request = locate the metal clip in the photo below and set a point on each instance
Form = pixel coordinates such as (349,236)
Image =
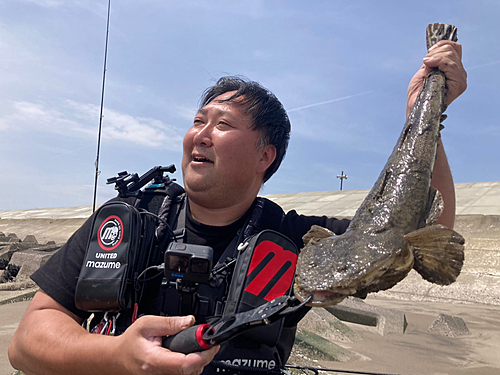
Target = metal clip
(107,326)
(242,246)
(105,322)
(111,332)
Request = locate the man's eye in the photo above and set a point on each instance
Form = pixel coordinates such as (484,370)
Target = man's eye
(224,124)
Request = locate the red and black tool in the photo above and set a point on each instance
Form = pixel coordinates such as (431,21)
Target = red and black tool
(204,336)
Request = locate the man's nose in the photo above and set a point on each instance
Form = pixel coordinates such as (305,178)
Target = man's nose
(203,135)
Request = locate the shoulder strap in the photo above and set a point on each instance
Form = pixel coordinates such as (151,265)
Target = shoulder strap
(169,215)
(265,215)
(165,203)
(179,231)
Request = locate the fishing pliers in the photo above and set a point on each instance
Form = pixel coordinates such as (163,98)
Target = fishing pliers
(204,336)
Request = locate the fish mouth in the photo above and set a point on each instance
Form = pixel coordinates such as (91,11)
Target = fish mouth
(321,298)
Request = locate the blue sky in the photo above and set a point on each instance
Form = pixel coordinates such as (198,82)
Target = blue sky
(341,69)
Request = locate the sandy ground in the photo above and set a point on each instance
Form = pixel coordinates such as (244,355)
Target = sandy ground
(418,352)
(415,352)
(10,316)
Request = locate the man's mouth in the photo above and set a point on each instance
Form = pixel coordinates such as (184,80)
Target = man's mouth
(201,159)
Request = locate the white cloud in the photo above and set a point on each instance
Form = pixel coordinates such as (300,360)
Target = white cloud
(77,119)
(46,3)
(331,101)
(99,8)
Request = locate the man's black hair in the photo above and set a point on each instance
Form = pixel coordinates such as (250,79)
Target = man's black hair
(269,116)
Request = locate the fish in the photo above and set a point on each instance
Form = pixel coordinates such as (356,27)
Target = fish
(394,230)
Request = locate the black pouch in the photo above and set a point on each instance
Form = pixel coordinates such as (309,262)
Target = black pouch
(118,250)
(264,270)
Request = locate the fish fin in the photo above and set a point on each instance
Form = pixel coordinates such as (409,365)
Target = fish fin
(316,233)
(438,253)
(434,209)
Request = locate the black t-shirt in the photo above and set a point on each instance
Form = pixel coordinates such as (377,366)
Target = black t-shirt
(218,238)
(58,277)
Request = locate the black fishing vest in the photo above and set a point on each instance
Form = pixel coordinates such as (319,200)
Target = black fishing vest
(243,354)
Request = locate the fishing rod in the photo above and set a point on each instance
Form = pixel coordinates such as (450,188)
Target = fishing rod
(100,115)
(316,370)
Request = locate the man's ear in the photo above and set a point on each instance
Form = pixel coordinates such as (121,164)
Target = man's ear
(268,155)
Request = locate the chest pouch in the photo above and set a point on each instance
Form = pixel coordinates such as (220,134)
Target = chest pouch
(118,250)
(264,270)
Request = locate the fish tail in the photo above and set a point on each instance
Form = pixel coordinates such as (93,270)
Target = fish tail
(438,253)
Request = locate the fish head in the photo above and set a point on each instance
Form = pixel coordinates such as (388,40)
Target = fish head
(339,266)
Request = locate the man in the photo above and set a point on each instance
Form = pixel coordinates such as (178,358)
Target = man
(227,155)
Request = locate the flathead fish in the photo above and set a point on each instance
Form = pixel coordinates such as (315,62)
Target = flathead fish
(394,229)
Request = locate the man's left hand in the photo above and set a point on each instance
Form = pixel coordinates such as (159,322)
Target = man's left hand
(447,57)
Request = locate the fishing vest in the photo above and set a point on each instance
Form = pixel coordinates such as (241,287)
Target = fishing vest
(263,349)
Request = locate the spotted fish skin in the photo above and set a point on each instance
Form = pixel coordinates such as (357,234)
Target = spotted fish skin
(380,247)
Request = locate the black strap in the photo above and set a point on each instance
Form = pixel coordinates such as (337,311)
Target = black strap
(170,213)
(265,215)
(179,233)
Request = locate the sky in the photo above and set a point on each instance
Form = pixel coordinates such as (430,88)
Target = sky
(340,68)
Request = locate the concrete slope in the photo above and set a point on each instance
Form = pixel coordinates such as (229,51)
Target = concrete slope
(46,224)
(480,276)
(58,230)
(479,198)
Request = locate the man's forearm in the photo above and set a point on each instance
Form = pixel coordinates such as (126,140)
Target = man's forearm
(48,341)
(64,349)
(442,180)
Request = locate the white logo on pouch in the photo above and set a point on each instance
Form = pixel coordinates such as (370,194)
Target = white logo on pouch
(260,363)
(110,233)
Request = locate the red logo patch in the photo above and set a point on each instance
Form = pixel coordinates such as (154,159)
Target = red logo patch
(110,233)
(271,271)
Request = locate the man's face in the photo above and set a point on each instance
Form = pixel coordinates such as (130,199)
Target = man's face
(220,160)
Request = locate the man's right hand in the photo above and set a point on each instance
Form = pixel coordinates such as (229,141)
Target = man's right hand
(141,345)
(50,340)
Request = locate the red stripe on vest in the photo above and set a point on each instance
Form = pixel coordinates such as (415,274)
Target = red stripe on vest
(280,257)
